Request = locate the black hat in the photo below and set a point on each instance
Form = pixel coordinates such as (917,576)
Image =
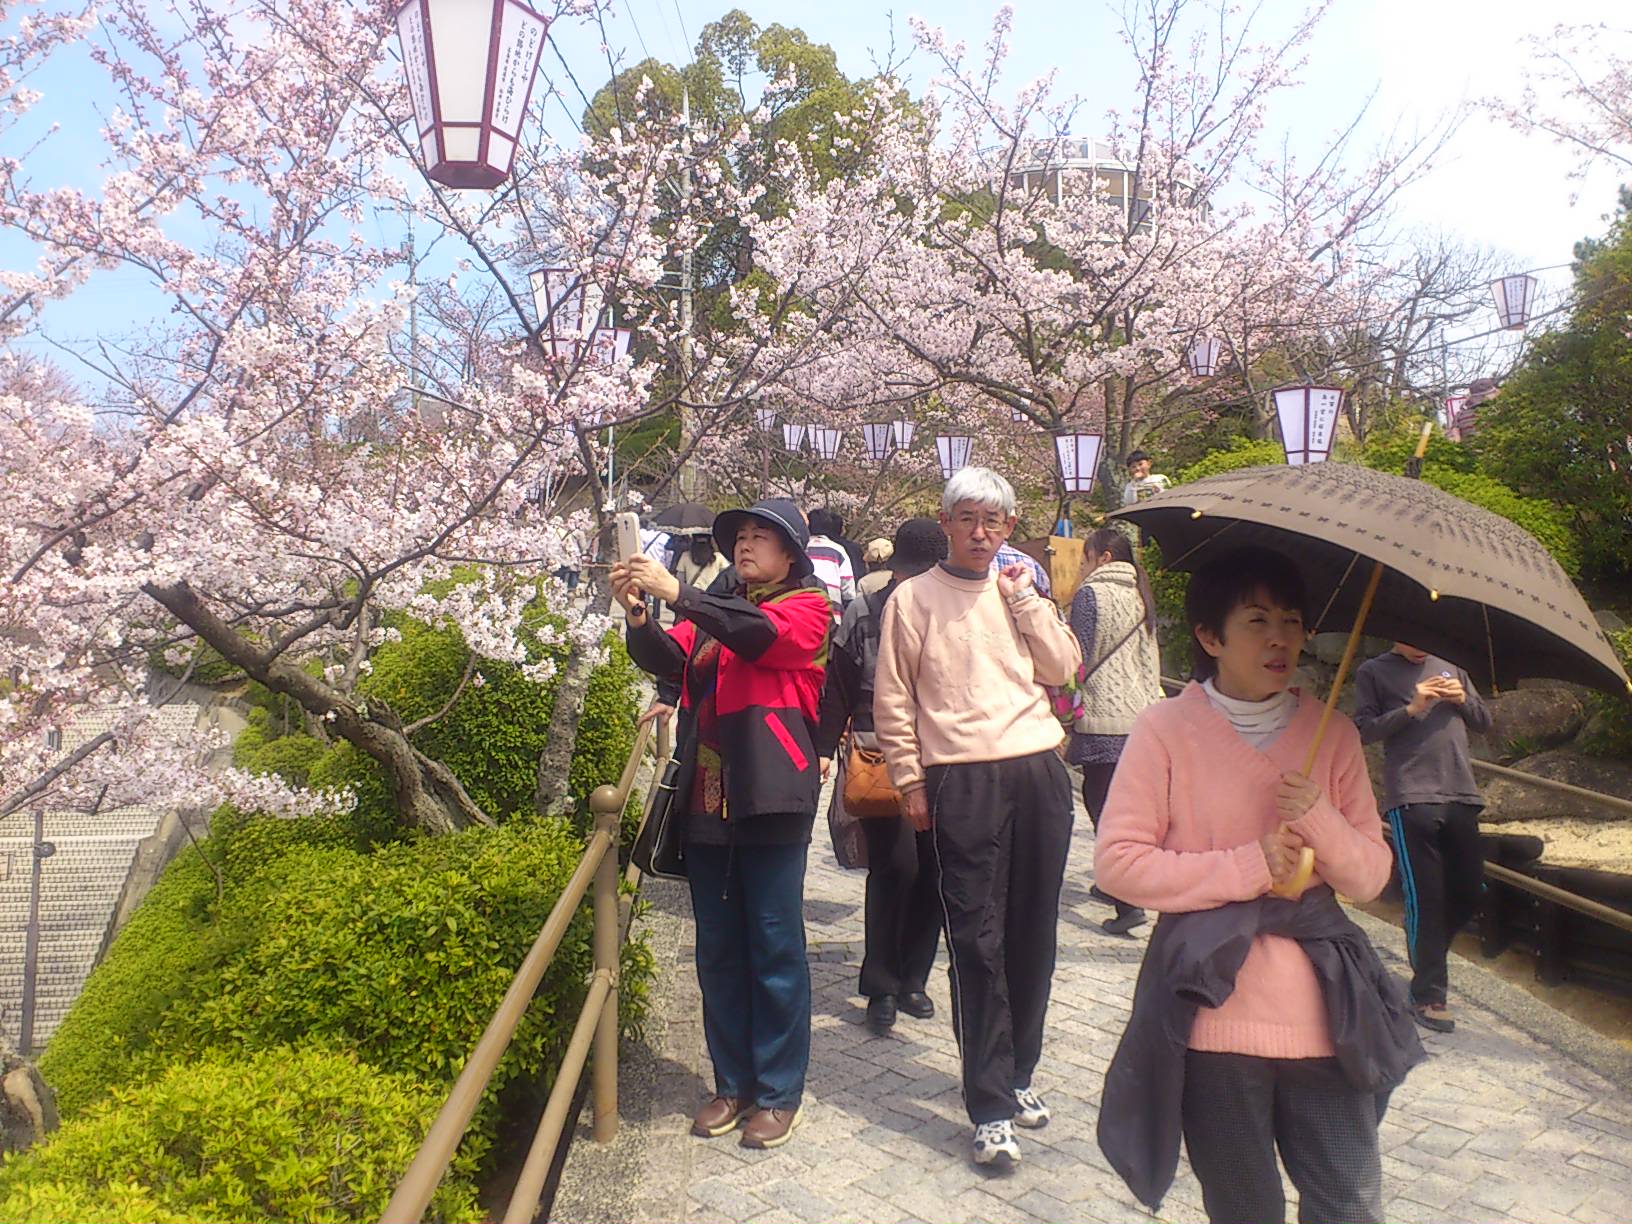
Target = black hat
(919,545)
(780,513)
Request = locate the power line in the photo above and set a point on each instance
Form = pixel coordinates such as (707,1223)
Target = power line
(684,33)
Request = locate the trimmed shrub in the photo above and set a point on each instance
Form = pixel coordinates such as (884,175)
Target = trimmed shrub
(158,960)
(401,955)
(311,1135)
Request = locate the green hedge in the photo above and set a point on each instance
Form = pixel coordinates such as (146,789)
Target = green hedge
(1609,731)
(309,1135)
(401,955)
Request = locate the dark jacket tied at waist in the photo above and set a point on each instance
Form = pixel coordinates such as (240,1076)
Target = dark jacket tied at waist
(1191,963)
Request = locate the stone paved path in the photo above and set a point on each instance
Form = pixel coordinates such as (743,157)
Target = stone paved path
(1498,1125)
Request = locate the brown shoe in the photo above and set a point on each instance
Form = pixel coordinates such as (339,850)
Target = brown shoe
(720,1117)
(769,1128)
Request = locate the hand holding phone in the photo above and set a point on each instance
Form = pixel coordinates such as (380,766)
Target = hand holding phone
(626,543)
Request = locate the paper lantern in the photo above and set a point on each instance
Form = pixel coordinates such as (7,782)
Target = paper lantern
(470,66)
(1205,355)
(825,442)
(876,439)
(1078,455)
(765,418)
(1514,296)
(793,437)
(903,434)
(1308,420)
(953,452)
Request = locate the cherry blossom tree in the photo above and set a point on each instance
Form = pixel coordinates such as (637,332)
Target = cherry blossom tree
(1578,91)
(972,260)
(272,471)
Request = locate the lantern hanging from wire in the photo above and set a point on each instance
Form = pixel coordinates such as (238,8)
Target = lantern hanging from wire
(765,418)
(1514,296)
(875,440)
(904,430)
(1308,420)
(1453,408)
(793,437)
(953,452)
(1078,456)
(568,306)
(1205,354)
(1018,414)
(470,66)
(825,441)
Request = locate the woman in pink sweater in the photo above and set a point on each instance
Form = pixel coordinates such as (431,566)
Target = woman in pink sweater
(1208,807)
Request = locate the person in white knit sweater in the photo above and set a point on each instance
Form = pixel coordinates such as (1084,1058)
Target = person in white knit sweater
(1113,615)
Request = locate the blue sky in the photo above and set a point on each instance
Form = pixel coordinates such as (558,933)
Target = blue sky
(1495,186)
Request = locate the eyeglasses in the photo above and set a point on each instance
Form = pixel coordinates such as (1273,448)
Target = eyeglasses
(966,521)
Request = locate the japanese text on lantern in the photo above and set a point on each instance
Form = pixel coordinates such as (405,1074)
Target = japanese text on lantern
(520,42)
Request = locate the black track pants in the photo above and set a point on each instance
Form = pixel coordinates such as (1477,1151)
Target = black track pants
(1002,830)
(1442,874)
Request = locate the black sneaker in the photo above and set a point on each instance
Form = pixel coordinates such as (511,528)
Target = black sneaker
(1099,894)
(1435,1016)
(1124,923)
(881,1013)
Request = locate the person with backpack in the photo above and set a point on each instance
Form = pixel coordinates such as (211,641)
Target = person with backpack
(1113,615)
(903,911)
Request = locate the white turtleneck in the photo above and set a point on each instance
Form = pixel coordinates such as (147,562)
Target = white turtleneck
(1257,722)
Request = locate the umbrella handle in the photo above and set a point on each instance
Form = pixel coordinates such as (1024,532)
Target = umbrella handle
(1293,887)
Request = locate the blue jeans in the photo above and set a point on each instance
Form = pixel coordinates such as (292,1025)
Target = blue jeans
(749,905)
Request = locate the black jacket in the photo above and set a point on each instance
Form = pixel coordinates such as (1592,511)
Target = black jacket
(851,667)
(1191,963)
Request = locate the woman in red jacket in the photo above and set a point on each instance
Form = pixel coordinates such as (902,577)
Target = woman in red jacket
(751,665)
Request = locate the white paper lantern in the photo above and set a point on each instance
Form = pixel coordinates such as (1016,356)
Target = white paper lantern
(1018,414)
(1308,420)
(953,452)
(609,344)
(903,434)
(825,442)
(470,66)
(568,306)
(765,418)
(1078,455)
(1453,408)
(875,439)
(1514,296)
(1205,354)
(793,437)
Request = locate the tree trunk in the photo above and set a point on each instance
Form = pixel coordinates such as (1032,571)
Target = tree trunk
(426,792)
(551,795)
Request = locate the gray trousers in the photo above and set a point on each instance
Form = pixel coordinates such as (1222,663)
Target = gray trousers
(1239,1109)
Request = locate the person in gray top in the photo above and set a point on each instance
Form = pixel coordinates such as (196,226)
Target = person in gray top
(1421,708)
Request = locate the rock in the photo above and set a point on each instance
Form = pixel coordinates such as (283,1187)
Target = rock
(1507,800)
(28,1107)
(1609,622)
(1526,720)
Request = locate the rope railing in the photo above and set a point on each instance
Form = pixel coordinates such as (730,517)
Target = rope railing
(594,1035)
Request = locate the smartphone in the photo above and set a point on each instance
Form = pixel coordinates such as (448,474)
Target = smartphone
(626,540)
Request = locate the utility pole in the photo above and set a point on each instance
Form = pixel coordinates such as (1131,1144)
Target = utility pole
(413,320)
(688,473)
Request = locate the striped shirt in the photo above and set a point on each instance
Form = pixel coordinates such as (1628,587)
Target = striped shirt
(833,570)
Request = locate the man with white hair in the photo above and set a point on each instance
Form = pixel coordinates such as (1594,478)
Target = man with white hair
(966,729)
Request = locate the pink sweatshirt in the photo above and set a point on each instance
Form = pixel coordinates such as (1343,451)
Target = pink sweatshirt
(1188,803)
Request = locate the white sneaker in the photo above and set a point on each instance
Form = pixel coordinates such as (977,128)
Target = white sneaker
(1029,1110)
(995,1144)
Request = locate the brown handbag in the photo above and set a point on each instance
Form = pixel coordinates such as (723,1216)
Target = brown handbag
(867,789)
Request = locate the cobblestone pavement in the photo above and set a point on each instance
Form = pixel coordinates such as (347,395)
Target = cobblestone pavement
(1496,1126)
